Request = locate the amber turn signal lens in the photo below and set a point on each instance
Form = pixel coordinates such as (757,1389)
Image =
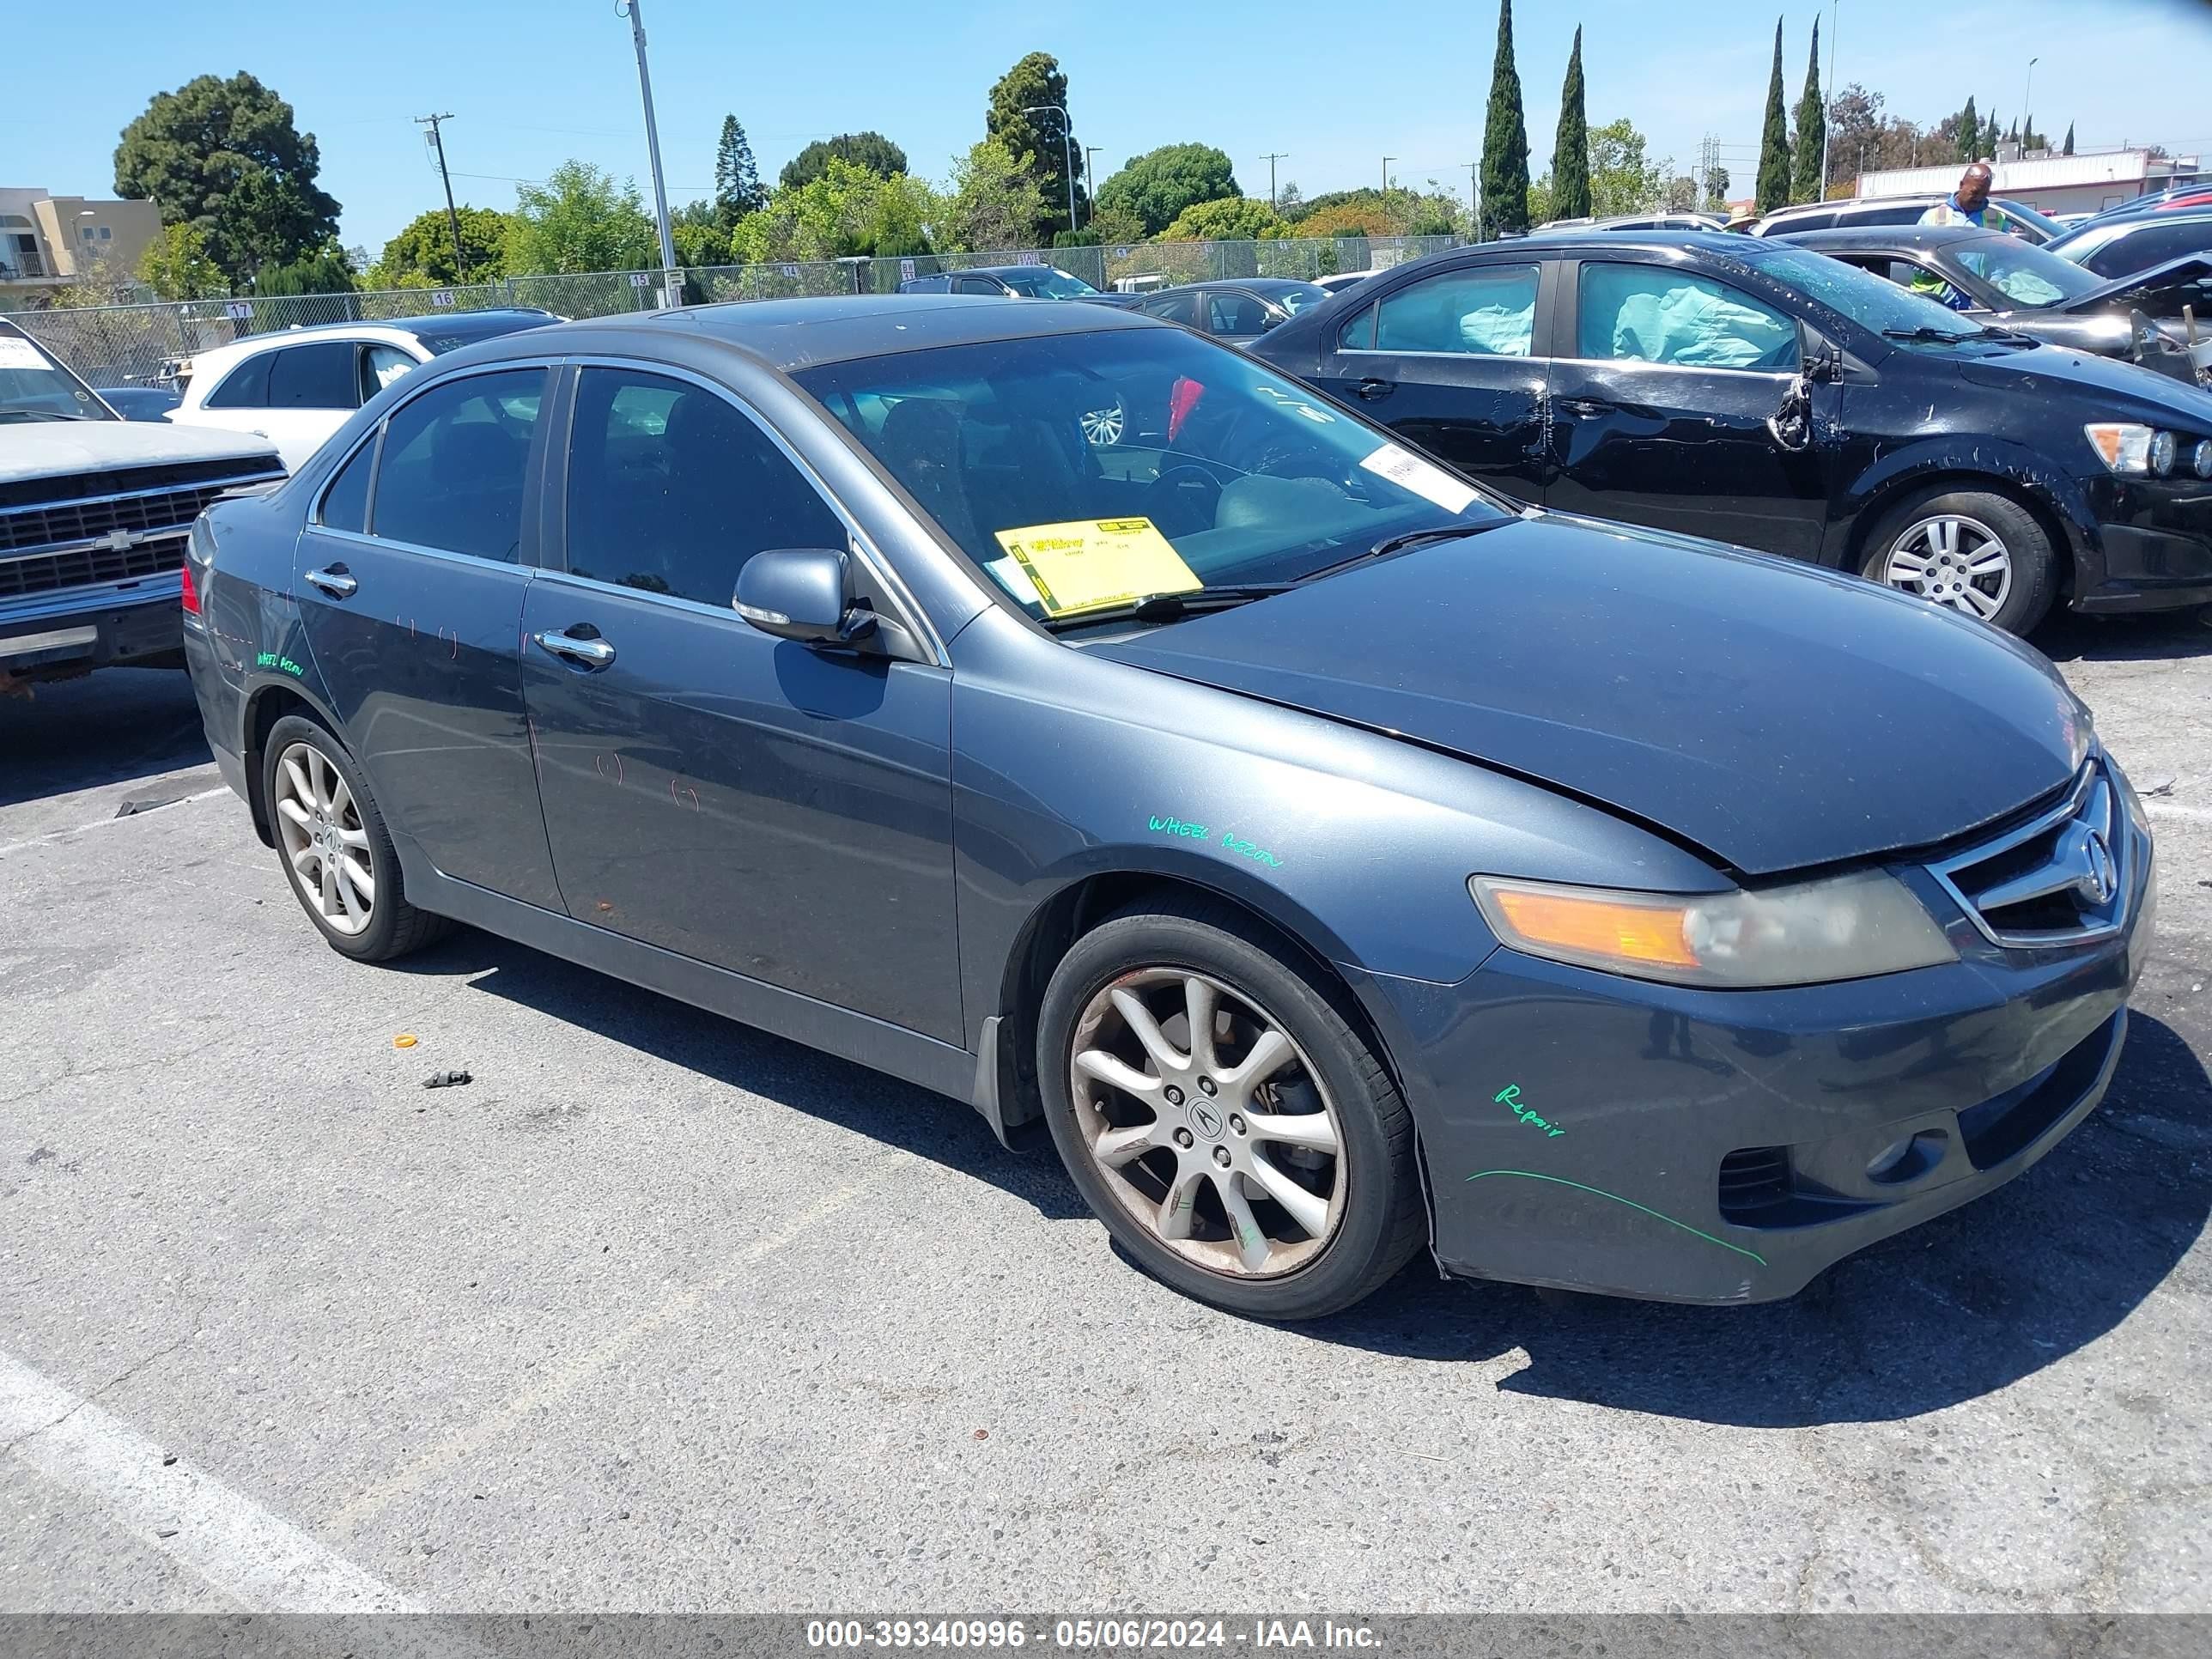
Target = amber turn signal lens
(1606,927)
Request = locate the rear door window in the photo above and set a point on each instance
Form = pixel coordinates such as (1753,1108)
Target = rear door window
(1485,310)
(245,386)
(318,376)
(1236,314)
(1658,314)
(2152,244)
(455,463)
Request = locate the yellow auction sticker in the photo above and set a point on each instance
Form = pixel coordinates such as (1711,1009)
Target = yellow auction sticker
(1087,564)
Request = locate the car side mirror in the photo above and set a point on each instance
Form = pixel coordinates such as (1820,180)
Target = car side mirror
(802,593)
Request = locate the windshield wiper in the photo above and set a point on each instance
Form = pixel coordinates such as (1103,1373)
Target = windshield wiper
(1170,607)
(47,415)
(1938,336)
(1399,543)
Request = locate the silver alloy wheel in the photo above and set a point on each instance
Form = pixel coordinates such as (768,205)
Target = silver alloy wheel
(1103,427)
(326,847)
(1209,1124)
(1952,560)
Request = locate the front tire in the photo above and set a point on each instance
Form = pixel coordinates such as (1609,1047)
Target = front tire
(1982,554)
(338,855)
(1223,1118)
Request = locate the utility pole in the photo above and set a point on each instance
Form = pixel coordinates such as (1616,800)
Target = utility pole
(672,284)
(1090,179)
(1835,9)
(1386,173)
(2027,106)
(453,218)
(1271,158)
(1475,199)
(1067,151)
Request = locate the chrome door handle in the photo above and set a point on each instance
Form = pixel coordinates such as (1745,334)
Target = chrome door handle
(334,582)
(1370,388)
(592,653)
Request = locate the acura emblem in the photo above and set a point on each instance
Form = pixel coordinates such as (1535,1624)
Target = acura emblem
(2099,878)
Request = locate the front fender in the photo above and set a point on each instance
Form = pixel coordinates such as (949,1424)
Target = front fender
(1961,456)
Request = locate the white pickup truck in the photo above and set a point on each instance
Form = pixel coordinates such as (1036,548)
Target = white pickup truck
(94,514)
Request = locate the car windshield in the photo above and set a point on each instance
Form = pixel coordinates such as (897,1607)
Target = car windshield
(1295,297)
(1871,301)
(1046,282)
(35,386)
(2024,275)
(1090,471)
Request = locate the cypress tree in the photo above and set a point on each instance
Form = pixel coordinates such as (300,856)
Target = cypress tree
(1810,155)
(1570,183)
(1970,133)
(1505,141)
(1773,188)
(737,177)
(2069,148)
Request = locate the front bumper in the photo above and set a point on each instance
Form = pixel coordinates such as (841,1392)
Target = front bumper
(2153,548)
(69,631)
(1594,1134)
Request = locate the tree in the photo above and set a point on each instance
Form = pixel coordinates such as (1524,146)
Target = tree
(846,212)
(1808,181)
(1351,216)
(424,248)
(226,158)
(1570,162)
(2069,147)
(323,271)
(1227,219)
(1505,141)
(995,202)
(1028,113)
(1716,189)
(1114,225)
(1289,199)
(1155,188)
(1772,190)
(737,177)
(1969,133)
(1621,179)
(579,219)
(869,151)
(175,265)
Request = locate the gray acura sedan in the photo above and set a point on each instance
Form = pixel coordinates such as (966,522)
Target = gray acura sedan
(1076,717)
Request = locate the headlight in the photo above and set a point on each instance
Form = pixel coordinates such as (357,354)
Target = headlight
(2129,449)
(2203,460)
(1842,927)
(2161,452)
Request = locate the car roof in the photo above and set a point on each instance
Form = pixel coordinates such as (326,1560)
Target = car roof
(1256,284)
(1884,236)
(461,324)
(788,335)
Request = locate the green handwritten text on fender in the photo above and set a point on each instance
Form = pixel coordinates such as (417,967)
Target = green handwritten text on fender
(1229,840)
(1510,1095)
(273,660)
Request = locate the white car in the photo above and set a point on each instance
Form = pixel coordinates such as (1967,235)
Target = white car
(297,386)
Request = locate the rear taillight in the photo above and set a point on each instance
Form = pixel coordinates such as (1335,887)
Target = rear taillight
(191,594)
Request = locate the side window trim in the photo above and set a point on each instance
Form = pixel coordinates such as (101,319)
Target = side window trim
(890,590)
(526,556)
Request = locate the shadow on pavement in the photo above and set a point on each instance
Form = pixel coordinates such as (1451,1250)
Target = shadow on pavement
(2157,637)
(852,1097)
(108,727)
(1952,1310)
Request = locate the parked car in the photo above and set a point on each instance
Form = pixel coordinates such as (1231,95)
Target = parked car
(1682,220)
(2121,247)
(2026,222)
(1759,394)
(2176,199)
(93,514)
(1243,309)
(1337,282)
(140,403)
(297,386)
(1987,275)
(1334,858)
(1006,283)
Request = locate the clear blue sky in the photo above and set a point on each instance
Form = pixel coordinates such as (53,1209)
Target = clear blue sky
(1336,85)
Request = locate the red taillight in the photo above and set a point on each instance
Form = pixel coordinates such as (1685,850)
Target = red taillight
(192,594)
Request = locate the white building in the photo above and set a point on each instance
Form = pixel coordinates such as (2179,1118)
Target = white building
(2086,183)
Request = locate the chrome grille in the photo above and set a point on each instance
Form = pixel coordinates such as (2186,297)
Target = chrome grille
(46,573)
(51,524)
(2058,879)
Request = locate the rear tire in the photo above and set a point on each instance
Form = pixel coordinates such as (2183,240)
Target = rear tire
(1268,1170)
(337,854)
(1982,554)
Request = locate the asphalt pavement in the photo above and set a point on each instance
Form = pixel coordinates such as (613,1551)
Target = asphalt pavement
(660,1313)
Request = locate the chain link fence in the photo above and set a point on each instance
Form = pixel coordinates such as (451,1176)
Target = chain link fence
(139,344)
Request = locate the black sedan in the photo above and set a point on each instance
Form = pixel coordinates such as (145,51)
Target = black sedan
(1239,309)
(1991,276)
(1760,393)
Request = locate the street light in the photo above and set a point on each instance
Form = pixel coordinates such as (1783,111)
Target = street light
(2027,104)
(1090,179)
(671,291)
(1386,173)
(1066,150)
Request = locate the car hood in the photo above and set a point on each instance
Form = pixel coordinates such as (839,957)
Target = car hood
(55,449)
(1776,716)
(2188,268)
(2112,386)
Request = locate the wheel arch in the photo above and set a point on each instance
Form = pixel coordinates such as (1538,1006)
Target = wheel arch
(1079,905)
(2047,497)
(267,702)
